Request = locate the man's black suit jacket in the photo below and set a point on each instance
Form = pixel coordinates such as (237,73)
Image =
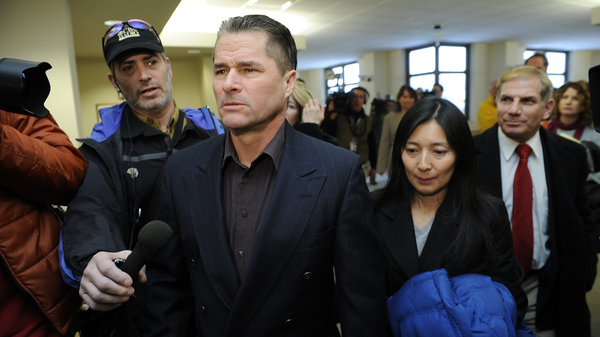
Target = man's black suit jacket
(571,267)
(320,216)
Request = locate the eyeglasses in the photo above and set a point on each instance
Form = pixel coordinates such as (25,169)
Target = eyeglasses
(133,23)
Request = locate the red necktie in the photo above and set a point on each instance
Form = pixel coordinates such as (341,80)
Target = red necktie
(522,220)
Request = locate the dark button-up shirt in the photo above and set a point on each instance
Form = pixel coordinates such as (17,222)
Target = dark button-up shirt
(246,193)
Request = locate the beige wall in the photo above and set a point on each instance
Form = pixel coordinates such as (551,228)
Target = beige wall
(314,80)
(41,31)
(191,85)
(94,88)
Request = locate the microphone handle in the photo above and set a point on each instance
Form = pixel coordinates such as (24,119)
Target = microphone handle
(136,260)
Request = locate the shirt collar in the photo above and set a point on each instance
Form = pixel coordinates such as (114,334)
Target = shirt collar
(131,125)
(153,122)
(508,146)
(274,149)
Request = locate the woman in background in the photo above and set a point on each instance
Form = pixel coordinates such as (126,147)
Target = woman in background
(572,117)
(433,214)
(572,114)
(406,97)
(305,113)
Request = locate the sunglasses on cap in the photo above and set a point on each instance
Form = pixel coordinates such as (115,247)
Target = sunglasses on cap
(133,23)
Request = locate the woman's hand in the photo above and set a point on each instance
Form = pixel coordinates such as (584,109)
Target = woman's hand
(313,112)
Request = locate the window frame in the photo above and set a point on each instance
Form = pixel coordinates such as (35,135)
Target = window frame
(344,85)
(436,72)
(565,74)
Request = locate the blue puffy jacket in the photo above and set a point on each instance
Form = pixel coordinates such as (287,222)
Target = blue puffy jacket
(111,121)
(432,304)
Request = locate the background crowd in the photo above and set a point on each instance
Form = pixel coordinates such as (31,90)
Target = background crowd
(275,232)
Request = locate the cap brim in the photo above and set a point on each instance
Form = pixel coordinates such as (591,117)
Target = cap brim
(122,48)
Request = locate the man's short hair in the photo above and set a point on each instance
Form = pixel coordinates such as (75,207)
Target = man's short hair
(280,44)
(365,91)
(546,89)
(539,55)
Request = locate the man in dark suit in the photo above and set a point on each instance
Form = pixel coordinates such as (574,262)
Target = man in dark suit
(561,265)
(263,214)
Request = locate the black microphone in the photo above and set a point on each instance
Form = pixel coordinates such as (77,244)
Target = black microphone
(154,236)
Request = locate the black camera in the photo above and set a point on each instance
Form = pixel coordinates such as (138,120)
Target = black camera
(24,86)
(340,100)
(379,105)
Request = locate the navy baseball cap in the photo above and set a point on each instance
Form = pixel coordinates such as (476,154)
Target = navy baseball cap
(130,35)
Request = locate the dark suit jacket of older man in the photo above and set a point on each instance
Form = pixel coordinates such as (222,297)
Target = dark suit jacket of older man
(320,215)
(571,267)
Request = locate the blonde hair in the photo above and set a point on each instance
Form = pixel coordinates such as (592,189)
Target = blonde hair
(301,95)
(546,89)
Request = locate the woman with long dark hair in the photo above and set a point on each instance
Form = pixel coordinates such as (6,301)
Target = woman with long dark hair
(433,213)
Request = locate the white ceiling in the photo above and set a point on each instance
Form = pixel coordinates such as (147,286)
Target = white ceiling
(339,31)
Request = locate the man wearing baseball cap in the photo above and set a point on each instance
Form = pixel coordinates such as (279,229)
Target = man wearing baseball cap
(126,152)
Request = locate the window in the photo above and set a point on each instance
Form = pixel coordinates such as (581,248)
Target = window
(342,78)
(444,64)
(557,65)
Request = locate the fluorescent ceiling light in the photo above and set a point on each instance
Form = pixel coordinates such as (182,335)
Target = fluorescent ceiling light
(206,16)
(286,5)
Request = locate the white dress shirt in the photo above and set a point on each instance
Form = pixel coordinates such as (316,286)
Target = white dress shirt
(509,160)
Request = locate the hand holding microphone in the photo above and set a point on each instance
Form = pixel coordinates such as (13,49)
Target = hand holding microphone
(154,236)
(103,286)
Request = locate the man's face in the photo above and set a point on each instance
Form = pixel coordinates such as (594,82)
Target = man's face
(358,100)
(390,105)
(144,81)
(520,108)
(537,62)
(251,94)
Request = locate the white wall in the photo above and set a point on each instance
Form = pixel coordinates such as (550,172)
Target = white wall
(578,65)
(481,77)
(397,71)
(596,57)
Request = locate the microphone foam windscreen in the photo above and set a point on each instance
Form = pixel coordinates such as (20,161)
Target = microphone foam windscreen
(155,235)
